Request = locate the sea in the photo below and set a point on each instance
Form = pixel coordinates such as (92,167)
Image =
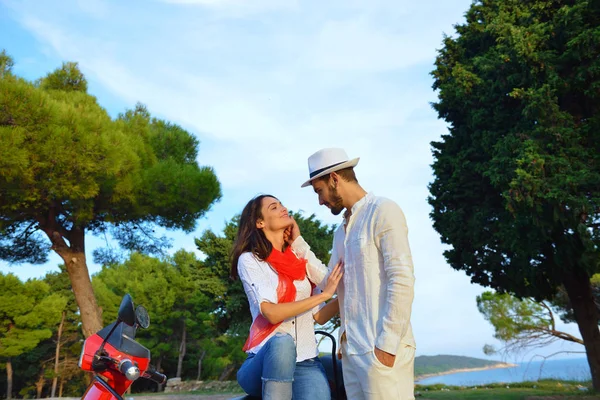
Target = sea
(575,369)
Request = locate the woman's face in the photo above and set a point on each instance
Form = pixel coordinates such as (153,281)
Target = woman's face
(275,215)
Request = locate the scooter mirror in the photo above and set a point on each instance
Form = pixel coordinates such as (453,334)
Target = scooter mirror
(126,311)
(142,317)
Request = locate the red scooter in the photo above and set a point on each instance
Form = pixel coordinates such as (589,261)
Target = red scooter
(115,357)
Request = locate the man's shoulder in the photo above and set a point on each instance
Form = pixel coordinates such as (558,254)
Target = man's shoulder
(384,203)
(384,209)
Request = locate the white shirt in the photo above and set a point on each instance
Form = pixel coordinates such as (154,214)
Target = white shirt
(377,289)
(260,284)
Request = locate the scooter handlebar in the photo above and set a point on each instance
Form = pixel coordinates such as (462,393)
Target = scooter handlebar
(152,374)
(129,369)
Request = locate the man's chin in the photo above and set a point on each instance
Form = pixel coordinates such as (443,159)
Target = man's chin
(336,211)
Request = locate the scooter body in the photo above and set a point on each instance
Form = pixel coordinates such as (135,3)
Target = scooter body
(114,356)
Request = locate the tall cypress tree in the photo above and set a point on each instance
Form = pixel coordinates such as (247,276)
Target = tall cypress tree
(516,192)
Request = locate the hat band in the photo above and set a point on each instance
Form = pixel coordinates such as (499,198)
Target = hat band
(317,172)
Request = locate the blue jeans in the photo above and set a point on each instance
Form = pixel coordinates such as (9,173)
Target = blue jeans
(274,374)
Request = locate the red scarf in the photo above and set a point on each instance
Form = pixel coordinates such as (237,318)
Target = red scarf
(289,268)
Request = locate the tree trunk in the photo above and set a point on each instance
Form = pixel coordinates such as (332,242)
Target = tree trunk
(160,386)
(73,255)
(39,385)
(84,293)
(226,372)
(200,364)
(57,355)
(182,349)
(62,379)
(586,314)
(9,379)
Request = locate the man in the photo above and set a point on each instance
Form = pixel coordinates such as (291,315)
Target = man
(377,290)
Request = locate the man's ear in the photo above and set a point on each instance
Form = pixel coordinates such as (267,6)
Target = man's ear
(334,179)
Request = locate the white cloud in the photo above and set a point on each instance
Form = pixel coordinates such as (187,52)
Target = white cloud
(357,45)
(95,8)
(236,8)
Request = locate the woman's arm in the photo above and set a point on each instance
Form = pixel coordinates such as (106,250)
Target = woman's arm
(317,271)
(275,313)
(327,312)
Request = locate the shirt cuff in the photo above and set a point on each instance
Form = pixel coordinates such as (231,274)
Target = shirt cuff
(388,342)
(262,298)
(300,247)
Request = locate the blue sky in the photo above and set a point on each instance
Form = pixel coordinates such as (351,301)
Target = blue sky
(263,84)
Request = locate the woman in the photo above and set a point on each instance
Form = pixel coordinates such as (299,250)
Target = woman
(282,353)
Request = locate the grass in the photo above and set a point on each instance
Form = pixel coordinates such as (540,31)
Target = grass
(514,391)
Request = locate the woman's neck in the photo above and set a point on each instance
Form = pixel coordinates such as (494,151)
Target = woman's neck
(276,239)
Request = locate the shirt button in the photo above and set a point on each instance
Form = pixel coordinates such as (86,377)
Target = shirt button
(293,322)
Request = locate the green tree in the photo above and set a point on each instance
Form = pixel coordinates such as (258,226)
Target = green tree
(563,305)
(28,312)
(67,78)
(67,337)
(177,292)
(516,193)
(520,323)
(67,169)
(6,63)
(51,367)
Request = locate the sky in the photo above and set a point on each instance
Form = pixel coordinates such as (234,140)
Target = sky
(263,84)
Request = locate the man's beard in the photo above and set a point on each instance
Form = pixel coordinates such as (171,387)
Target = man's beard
(336,205)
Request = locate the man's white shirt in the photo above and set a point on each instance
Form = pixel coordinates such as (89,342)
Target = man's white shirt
(377,289)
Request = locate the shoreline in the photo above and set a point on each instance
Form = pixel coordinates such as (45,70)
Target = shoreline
(457,370)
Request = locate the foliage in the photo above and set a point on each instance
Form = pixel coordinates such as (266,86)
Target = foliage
(27,312)
(517,177)
(563,304)
(67,168)
(520,323)
(516,193)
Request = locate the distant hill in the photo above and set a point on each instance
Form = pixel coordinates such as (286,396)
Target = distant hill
(433,365)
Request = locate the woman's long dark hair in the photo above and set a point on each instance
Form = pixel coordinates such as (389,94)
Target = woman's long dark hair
(249,237)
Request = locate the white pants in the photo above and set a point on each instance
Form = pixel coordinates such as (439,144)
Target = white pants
(365,377)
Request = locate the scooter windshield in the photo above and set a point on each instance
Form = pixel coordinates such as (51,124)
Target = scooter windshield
(123,340)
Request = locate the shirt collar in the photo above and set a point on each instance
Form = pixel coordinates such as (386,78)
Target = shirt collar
(358,205)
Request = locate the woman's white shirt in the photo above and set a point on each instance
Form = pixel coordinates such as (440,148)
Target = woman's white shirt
(260,284)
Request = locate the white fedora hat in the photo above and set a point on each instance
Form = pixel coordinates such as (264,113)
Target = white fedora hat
(326,161)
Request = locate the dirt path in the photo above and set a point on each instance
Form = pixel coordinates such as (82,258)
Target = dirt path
(186,397)
(574,397)
(168,397)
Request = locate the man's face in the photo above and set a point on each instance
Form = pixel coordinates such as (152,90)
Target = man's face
(328,195)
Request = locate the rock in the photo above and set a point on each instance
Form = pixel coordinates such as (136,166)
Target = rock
(174,382)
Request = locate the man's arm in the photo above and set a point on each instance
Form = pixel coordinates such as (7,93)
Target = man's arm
(391,238)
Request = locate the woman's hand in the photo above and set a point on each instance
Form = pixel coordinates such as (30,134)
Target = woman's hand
(334,279)
(292,232)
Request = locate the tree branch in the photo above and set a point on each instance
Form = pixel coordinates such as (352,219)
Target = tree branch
(543,304)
